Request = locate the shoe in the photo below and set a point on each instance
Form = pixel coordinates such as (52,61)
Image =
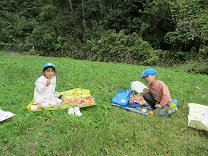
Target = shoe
(34,107)
(71,111)
(77,111)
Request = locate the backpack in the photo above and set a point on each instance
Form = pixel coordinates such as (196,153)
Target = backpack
(122,97)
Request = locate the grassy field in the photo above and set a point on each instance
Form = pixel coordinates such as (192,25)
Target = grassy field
(103,129)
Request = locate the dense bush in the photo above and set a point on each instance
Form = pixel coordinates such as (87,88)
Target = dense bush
(119,47)
(196,67)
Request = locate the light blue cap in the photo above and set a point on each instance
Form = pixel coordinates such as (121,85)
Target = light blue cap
(49,64)
(149,71)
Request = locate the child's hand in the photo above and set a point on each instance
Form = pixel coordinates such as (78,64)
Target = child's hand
(158,106)
(48,82)
(146,90)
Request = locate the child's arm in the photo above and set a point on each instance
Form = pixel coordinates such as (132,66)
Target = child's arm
(41,86)
(165,95)
(146,90)
(158,105)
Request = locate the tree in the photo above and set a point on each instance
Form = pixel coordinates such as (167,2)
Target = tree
(83,15)
(70,5)
(157,21)
(191,26)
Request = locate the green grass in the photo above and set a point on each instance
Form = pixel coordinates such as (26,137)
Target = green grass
(103,129)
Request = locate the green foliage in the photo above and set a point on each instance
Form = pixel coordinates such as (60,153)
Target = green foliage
(16,23)
(103,129)
(14,31)
(125,15)
(55,29)
(48,11)
(41,37)
(196,67)
(157,21)
(119,47)
(191,25)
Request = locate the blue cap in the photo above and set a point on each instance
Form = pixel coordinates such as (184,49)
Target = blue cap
(149,71)
(49,64)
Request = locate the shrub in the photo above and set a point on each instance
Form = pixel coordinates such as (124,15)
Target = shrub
(121,47)
(198,68)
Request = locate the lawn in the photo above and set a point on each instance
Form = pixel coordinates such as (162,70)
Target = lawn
(102,129)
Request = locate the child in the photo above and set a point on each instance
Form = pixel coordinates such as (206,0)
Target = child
(158,95)
(44,92)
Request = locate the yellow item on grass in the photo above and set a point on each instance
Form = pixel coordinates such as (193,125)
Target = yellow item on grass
(76,92)
(151,112)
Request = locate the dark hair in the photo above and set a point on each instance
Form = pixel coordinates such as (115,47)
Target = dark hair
(44,69)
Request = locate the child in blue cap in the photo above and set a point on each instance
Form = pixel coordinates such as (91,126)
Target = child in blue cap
(44,92)
(158,95)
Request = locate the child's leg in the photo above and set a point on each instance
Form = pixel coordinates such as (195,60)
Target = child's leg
(51,102)
(149,99)
(162,111)
(35,107)
(47,103)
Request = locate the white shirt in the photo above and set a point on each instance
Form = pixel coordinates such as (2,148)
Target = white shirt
(43,92)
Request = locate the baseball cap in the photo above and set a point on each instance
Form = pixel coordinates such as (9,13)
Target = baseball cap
(149,71)
(49,64)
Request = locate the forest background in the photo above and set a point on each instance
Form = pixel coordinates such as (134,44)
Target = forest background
(143,32)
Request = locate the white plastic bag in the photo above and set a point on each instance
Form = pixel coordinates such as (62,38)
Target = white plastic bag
(198,116)
(137,86)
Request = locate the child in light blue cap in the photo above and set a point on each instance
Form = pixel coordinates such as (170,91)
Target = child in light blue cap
(44,92)
(158,95)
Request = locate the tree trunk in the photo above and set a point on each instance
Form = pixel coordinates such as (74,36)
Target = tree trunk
(70,5)
(83,15)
